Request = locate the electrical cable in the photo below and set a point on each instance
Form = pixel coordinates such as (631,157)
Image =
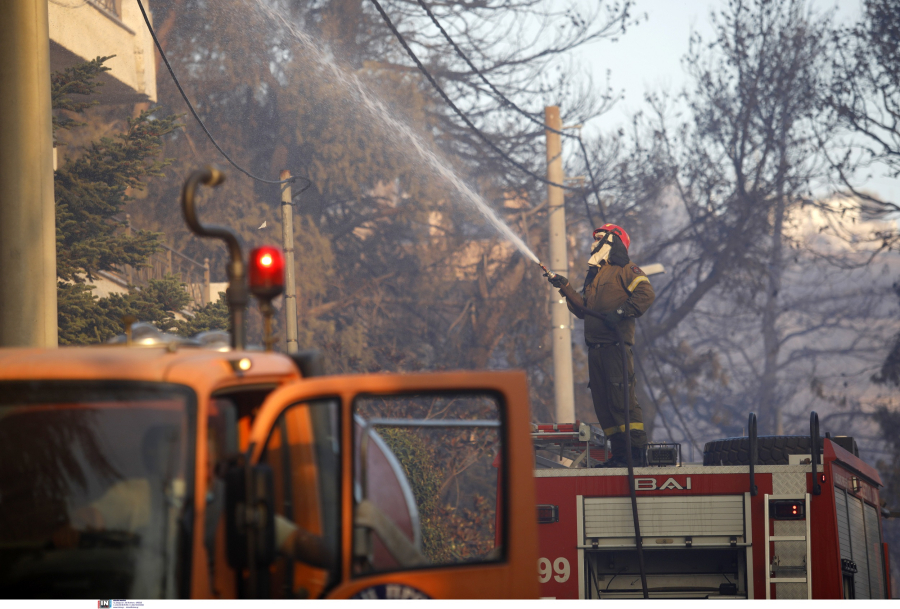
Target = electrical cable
(508,102)
(459,112)
(611,581)
(197,117)
(497,92)
(629,459)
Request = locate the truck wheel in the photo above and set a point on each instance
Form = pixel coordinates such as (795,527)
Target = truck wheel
(772,450)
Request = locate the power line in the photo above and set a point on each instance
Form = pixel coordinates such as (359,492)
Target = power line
(459,112)
(196,116)
(484,79)
(508,102)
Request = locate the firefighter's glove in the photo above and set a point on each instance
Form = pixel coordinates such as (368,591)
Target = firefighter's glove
(558,281)
(614,317)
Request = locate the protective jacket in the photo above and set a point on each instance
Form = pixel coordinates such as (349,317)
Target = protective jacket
(614,288)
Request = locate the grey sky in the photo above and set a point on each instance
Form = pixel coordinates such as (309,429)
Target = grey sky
(648,57)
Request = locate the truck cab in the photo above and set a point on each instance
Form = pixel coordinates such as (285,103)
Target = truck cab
(176,471)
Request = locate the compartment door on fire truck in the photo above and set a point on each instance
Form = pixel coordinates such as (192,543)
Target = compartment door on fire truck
(406,481)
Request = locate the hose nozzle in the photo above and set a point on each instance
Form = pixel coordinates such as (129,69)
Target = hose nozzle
(547,272)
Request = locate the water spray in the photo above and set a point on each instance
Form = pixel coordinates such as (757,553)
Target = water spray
(399,131)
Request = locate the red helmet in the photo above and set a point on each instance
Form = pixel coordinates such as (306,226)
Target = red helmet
(612,228)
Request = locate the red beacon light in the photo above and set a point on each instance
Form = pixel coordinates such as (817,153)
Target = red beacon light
(266,272)
(266,279)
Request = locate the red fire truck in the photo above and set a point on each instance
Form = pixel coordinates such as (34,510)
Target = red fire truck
(758,519)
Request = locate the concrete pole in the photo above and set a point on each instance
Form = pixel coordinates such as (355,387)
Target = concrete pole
(290,283)
(560,318)
(27,208)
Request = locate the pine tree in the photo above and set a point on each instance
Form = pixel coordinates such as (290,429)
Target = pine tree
(91,189)
(212,316)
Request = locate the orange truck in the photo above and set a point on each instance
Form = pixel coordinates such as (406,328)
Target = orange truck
(162,467)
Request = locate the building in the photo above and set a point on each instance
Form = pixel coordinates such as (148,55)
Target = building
(81,30)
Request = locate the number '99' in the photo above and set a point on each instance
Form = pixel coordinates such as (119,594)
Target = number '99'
(560,570)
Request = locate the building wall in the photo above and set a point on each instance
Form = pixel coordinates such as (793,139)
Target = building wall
(81,30)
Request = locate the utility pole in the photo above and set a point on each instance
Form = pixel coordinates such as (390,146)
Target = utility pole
(560,318)
(290,283)
(27,207)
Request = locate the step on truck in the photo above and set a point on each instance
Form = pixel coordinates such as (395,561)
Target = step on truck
(760,518)
(163,467)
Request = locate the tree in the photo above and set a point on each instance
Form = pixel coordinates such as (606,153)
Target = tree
(865,95)
(396,272)
(866,98)
(91,188)
(738,167)
(770,301)
(212,316)
(890,368)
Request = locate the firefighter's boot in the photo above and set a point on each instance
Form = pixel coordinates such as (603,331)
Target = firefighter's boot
(614,461)
(617,448)
(618,459)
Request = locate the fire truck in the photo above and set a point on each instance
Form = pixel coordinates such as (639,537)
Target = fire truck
(164,467)
(777,517)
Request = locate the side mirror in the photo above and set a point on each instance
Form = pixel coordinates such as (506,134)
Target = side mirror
(249,519)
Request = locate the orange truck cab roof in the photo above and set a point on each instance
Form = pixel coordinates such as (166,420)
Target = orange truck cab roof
(202,369)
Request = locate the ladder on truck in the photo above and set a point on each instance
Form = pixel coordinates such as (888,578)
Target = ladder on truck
(770,539)
(581,443)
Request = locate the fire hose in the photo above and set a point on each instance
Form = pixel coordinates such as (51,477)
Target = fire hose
(638,541)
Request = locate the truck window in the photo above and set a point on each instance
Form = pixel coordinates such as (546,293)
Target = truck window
(425,481)
(94,479)
(244,402)
(303,451)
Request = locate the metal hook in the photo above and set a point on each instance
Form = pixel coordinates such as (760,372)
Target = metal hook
(237,294)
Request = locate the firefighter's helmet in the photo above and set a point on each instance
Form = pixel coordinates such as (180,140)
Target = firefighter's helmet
(612,228)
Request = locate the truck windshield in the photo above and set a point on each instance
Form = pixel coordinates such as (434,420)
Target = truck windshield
(94,480)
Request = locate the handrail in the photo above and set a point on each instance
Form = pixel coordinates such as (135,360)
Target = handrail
(163,245)
(754,453)
(237,293)
(182,256)
(814,449)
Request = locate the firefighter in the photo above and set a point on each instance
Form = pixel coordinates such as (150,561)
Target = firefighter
(620,291)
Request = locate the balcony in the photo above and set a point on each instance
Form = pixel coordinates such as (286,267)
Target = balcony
(81,30)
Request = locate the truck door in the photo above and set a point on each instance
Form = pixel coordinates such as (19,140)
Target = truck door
(384,486)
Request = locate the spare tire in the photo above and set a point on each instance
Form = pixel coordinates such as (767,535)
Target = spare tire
(771,450)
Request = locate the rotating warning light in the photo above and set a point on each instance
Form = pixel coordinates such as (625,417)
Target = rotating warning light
(266,272)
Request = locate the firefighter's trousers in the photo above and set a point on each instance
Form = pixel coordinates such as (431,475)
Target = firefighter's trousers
(605,371)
